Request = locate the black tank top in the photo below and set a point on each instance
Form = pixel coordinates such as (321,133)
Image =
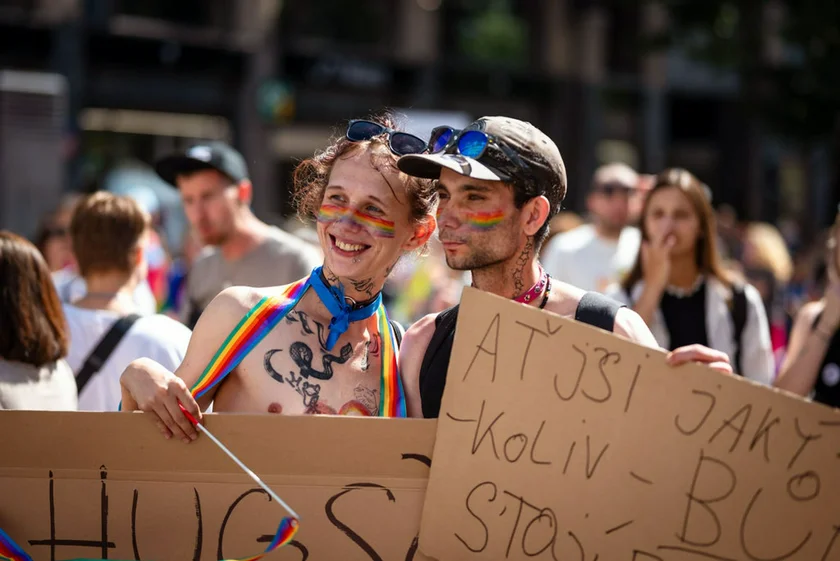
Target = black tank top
(594,309)
(827,386)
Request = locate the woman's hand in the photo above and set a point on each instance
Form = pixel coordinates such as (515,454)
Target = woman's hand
(147,386)
(656,260)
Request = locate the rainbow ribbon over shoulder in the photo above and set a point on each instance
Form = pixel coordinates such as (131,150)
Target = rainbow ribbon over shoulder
(10,551)
(256,324)
(391,393)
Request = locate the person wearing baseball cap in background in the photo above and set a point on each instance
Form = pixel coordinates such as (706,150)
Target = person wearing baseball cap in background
(595,255)
(500,180)
(243,251)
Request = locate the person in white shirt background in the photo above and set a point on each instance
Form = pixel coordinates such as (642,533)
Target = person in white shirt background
(594,255)
(53,241)
(109,235)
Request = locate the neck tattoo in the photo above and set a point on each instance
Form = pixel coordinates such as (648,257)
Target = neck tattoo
(352,302)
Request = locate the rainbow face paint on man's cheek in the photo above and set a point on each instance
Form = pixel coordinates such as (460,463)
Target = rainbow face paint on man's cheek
(483,221)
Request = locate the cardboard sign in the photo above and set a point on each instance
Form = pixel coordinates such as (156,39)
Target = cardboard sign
(560,441)
(109,486)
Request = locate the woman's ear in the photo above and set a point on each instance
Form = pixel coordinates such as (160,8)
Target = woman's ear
(423,231)
(534,214)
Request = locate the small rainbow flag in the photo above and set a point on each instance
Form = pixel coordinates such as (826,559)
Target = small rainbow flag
(484,220)
(285,533)
(251,329)
(9,550)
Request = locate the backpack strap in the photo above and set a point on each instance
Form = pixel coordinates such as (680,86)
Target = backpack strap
(738,311)
(99,355)
(433,369)
(444,329)
(399,331)
(598,310)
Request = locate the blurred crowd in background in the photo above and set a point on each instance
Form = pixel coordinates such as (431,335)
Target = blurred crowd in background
(95,94)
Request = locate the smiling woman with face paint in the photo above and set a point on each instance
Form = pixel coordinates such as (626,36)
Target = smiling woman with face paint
(679,286)
(331,349)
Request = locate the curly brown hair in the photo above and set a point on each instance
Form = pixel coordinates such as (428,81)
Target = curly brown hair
(312,175)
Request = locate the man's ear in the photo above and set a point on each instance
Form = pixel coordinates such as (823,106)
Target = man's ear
(422,233)
(534,214)
(244,192)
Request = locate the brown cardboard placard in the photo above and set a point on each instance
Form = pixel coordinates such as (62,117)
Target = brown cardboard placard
(560,441)
(108,485)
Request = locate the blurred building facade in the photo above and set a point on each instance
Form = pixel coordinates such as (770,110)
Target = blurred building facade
(141,77)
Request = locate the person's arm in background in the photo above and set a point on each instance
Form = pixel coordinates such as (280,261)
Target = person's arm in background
(809,343)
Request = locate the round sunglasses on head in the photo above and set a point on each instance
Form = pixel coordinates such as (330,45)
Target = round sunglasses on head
(470,143)
(400,143)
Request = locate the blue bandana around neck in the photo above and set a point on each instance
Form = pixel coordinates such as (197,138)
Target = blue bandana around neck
(342,313)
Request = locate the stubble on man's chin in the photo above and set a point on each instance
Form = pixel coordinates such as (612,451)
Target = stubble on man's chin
(473,262)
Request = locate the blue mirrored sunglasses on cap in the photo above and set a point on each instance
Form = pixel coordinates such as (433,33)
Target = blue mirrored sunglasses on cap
(400,143)
(470,143)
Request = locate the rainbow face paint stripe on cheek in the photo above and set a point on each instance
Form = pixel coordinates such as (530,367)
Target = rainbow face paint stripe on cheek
(378,226)
(331,213)
(484,220)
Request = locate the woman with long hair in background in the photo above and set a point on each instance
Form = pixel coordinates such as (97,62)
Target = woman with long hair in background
(679,286)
